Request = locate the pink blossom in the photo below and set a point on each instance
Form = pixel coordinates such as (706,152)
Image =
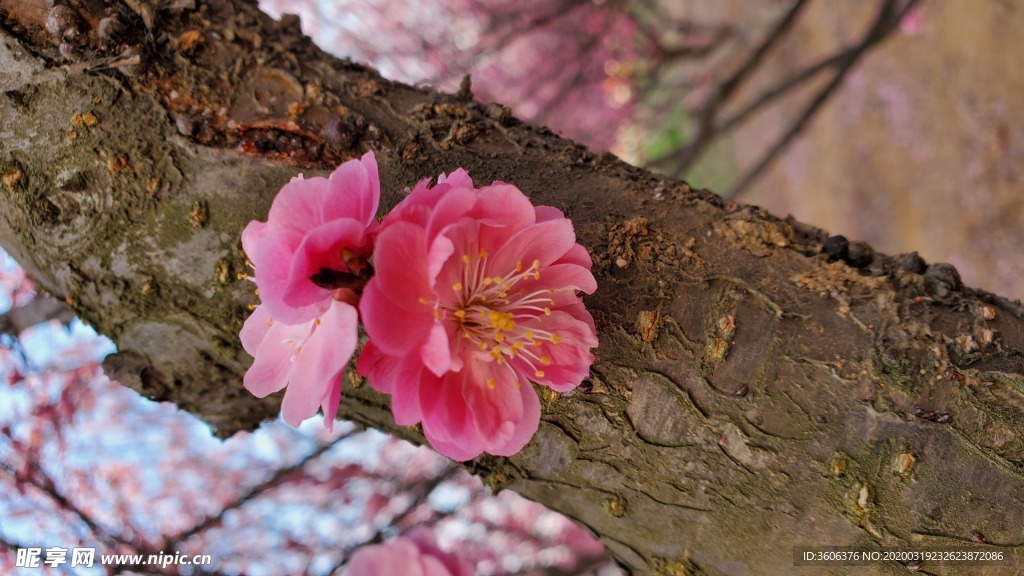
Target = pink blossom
(303,335)
(412,555)
(475,295)
(314,224)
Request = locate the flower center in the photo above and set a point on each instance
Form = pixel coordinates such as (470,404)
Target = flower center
(499,316)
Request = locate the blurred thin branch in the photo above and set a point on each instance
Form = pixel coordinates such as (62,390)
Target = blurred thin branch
(887,20)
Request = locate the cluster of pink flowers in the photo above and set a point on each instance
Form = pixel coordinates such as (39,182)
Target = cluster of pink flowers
(467,294)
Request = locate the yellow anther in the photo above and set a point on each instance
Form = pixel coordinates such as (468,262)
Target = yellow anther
(499,337)
(270,322)
(490,384)
(496,352)
(460,314)
(487,280)
(502,294)
(555,339)
(256,291)
(536,264)
(242,276)
(465,258)
(519,266)
(517,346)
(317,321)
(424,300)
(482,346)
(536,275)
(482,254)
(437,314)
(545,360)
(251,307)
(539,373)
(518,385)
(528,335)
(298,349)
(547,311)
(457,286)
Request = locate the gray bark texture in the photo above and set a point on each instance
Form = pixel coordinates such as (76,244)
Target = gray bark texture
(751,393)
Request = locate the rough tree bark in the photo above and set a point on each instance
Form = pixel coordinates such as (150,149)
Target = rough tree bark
(749,396)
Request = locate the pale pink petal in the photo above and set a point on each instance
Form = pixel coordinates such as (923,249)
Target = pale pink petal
(297,206)
(354,191)
(269,372)
(436,353)
(255,329)
(317,367)
(330,407)
(271,257)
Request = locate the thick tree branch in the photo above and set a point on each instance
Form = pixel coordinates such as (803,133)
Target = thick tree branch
(749,394)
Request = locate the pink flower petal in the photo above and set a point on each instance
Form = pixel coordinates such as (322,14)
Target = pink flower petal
(525,428)
(396,304)
(436,353)
(544,242)
(255,329)
(269,372)
(317,367)
(297,207)
(356,186)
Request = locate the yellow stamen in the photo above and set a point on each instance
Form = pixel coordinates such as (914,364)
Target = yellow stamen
(457,286)
(519,266)
(547,311)
(424,300)
(545,360)
(539,373)
(482,254)
(460,314)
(490,384)
(317,321)
(465,258)
(536,264)
(251,307)
(555,339)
